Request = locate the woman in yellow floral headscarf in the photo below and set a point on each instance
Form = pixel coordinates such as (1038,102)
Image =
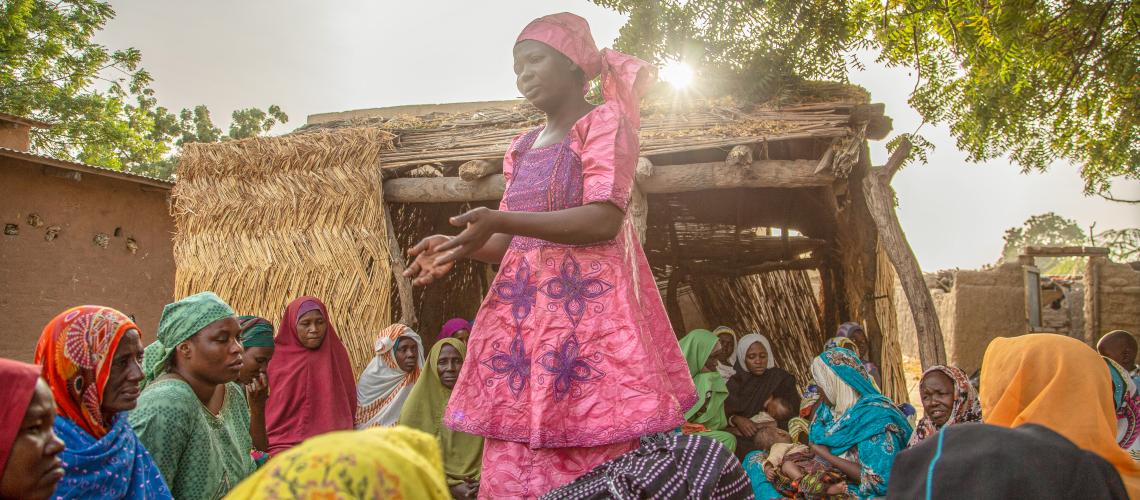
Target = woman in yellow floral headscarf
(1060,383)
(383,462)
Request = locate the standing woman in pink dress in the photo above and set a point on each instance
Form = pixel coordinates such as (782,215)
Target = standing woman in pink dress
(573,355)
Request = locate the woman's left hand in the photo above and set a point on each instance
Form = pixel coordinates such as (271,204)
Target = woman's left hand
(851,469)
(481,223)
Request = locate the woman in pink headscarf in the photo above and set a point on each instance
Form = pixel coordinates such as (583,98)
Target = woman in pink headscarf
(574,357)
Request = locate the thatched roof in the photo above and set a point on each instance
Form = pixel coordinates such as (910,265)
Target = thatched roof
(446,140)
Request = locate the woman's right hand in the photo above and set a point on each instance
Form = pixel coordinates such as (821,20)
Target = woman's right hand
(423,269)
(746,426)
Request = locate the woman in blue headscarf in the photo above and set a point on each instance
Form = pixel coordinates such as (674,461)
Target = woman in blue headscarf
(857,429)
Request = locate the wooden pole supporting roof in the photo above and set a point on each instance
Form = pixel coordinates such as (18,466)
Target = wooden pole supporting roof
(880,202)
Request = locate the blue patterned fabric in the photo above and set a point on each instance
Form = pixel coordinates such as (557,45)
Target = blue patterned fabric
(872,428)
(754,467)
(116,466)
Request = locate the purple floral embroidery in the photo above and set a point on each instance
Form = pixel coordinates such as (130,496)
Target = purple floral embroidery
(569,367)
(512,364)
(574,290)
(518,291)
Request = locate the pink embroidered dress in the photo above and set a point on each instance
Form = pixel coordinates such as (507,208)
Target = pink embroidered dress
(572,347)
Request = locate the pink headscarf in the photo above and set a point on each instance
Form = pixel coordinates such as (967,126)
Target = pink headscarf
(625,78)
(310,391)
(454,325)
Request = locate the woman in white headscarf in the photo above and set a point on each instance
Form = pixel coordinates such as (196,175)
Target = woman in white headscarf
(385,383)
(759,391)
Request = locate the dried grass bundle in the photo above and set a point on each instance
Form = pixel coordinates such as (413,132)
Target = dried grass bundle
(262,221)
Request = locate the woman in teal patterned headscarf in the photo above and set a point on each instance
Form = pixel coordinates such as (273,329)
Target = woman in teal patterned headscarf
(257,350)
(706,417)
(857,429)
(191,416)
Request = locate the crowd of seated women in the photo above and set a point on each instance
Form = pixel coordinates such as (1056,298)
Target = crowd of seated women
(222,405)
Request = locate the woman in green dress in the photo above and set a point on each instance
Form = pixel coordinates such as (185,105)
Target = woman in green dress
(706,417)
(197,433)
(462,452)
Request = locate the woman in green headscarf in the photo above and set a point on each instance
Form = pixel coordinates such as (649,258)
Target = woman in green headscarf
(462,452)
(257,349)
(706,417)
(191,416)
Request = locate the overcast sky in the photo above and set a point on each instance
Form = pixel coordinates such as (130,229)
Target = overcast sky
(316,57)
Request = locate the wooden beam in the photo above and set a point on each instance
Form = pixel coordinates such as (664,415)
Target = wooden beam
(747,270)
(644,169)
(739,156)
(880,202)
(478,169)
(664,179)
(1037,251)
(443,190)
(718,175)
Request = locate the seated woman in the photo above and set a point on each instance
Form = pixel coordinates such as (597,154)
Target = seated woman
(307,353)
(257,351)
(947,399)
(726,349)
(396,462)
(458,328)
(1059,383)
(856,429)
(758,387)
(388,379)
(706,417)
(200,441)
(30,465)
(462,452)
(854,331)
(90,357)
(1126,401)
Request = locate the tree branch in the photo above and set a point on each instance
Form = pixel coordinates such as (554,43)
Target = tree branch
(895,162)
(1109,197)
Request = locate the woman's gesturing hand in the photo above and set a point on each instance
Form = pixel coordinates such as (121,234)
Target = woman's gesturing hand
(424,269)
(481,223)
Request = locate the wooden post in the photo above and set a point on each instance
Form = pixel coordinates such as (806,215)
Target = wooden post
(638,202)
(403,285)
(880,202)
(1091,308)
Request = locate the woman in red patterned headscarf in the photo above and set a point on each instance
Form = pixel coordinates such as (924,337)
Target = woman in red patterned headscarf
(573,355)
(90,356)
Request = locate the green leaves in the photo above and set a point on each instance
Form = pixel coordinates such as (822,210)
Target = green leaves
(1037,81)
(100,101)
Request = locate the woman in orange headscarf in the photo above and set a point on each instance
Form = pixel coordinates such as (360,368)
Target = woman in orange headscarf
(1041,379)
